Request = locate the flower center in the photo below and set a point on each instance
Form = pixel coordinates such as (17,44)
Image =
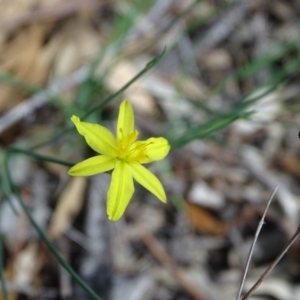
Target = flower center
(129,149)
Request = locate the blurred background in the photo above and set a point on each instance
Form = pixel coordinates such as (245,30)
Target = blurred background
(223,86)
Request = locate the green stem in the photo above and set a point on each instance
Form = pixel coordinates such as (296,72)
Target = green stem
(149,66)
(42,235)
(19,83)
(41,157)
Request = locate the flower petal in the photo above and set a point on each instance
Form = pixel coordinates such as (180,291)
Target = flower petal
(120,191)
(157,149)
(148,180)
(93,165)
(125,120)
(97,137)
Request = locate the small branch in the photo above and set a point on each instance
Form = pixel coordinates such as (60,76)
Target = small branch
(260,225)
(272,266)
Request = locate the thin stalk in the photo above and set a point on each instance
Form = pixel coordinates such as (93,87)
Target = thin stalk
(272,266)
(19,83)
(149,66)
(260,225)
(223,120)
(44,237)
(41,157)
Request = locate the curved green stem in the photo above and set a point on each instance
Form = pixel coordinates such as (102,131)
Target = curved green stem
(41,157)
(42,235)
(149,65)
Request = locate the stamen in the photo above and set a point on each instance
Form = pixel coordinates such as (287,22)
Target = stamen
(131,150)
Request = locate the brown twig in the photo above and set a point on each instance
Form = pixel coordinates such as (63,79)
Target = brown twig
(163,257)
(259,227)
(272,266)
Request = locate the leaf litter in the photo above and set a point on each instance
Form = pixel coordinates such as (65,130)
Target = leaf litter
(195,246)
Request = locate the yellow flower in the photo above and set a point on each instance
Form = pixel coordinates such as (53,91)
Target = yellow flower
(125,155)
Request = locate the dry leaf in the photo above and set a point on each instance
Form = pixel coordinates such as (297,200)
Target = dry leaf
(25,264)
(203,221)
(20,57)
(69,205)
(21,268)
(290,163)
(77,45)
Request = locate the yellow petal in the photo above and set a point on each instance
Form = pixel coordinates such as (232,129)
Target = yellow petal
(94,165)
(125,124)
(156,149)
(97,137)
(148,180)
(120,191)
